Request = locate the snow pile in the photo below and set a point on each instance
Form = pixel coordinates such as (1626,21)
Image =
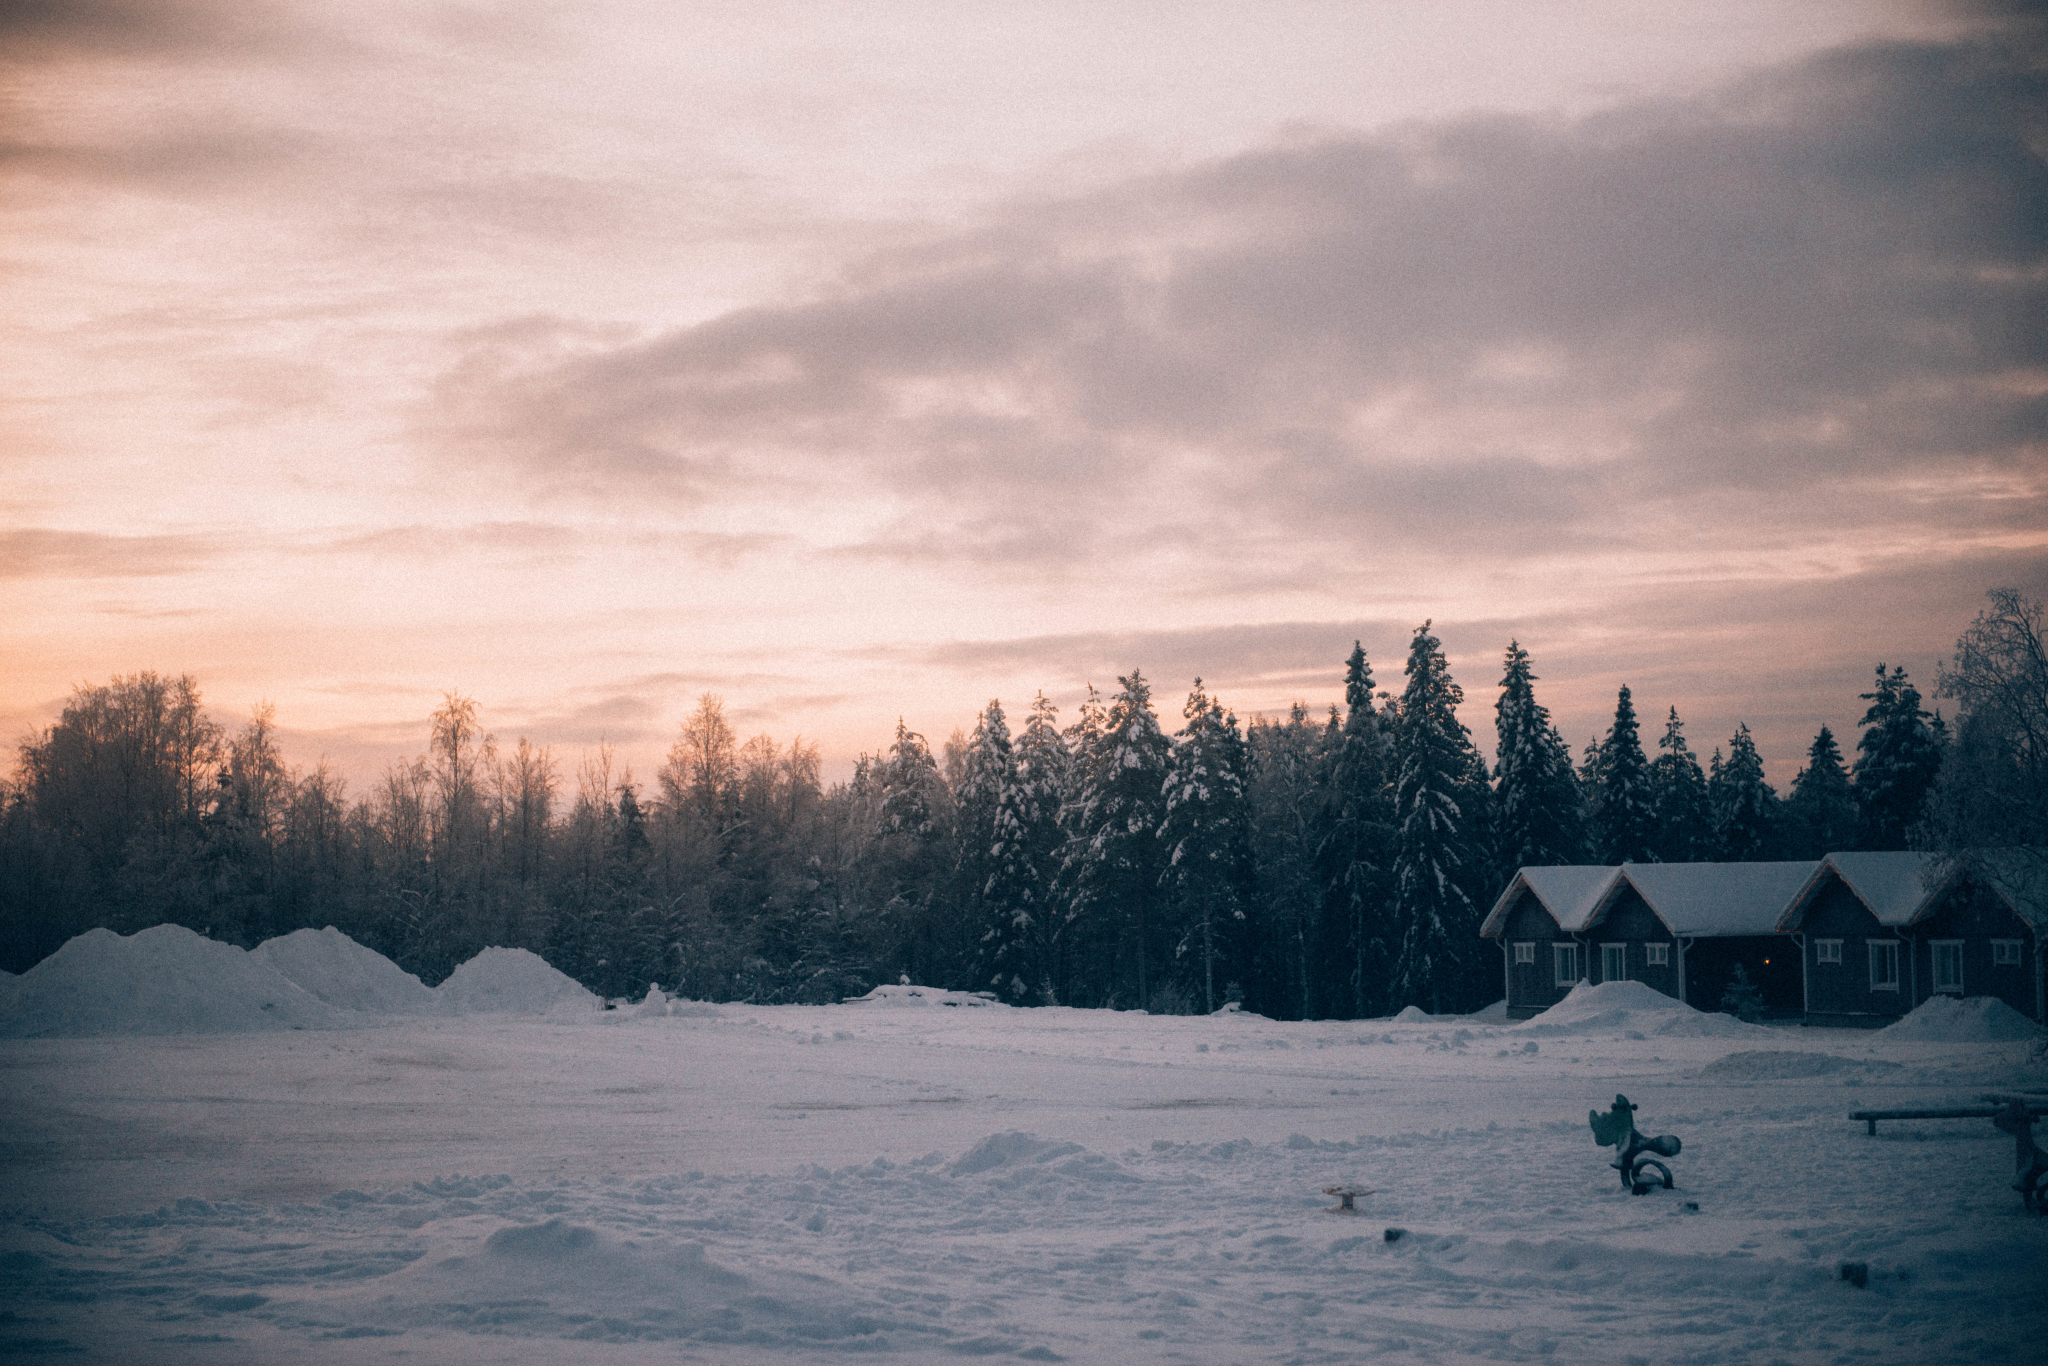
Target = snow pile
(1768,1066)
(165,980)
(1413,1015)
(1632,1007)
(656,1002)
(907,995)
(560,1280)
(513,981)
(330,965)
(1011,1149)
(1968,1019)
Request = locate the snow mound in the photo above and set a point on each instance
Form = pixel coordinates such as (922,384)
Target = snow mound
(1631,1007)
(567,1280)
(165,980)
(1497,1013)
(1413,1015)
(1968,1019)
(341,972)
(513,981)
(1768,1066)
(907,995)
(1012,1149)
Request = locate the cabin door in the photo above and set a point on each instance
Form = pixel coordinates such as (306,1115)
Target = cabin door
(1613,962)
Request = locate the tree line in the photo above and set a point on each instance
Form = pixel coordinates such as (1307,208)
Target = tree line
(1333,866)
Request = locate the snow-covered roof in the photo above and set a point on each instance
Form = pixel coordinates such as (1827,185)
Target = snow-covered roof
(2018,876)
(1568,891)
(1716,899)
(1896,887)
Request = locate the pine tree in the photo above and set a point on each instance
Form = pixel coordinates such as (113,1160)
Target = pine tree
(1205,830)
(1357,842)
(1745,807)
(1624,819)
(1540,813)
(1898,759)
(1685,824)
(1018,895)
(1820,813)
(987,767)
(915,830)
(1114,862)
(1436,863)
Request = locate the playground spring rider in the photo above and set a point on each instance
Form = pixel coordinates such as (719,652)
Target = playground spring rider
(1617,1129)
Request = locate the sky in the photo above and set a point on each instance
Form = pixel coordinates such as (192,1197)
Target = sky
(863,362)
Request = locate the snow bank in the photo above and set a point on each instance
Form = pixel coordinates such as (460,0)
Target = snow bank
(513,981)
(165,980)
(1413,1015)
(1770,1066)
(330,965)
(1624,1007)
(1968,1019)
(907,995)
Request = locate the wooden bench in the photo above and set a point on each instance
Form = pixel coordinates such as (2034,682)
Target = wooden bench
(2036,1110)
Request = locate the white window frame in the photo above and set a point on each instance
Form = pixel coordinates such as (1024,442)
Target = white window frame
(1884,951)
(2005,953)
(1608,954)
(1938,949)
(1827,950)
(1657,955)
(1564,964)
(1525,951)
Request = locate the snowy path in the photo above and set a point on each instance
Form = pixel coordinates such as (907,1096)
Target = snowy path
(801,1183)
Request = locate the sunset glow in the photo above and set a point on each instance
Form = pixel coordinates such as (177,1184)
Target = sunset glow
(855,363)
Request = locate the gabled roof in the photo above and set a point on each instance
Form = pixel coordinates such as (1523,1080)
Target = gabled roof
(1569,892)
(2019,878)
(1714,899)
(1895,887)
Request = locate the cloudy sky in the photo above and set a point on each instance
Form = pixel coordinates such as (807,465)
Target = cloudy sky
(856,361)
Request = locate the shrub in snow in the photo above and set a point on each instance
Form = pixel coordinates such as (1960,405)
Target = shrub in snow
(1966,1019)
(165,980)
(513,981)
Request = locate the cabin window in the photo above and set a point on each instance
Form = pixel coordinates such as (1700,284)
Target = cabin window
(1948,965)
(1525,953)
(2005,953)
(1613,962)
(1827,950)
(1657,955)
(1564,959)
(1884,964)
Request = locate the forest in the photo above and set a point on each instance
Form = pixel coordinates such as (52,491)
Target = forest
(1332,865)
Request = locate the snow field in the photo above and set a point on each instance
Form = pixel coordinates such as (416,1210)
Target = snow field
(684,1182)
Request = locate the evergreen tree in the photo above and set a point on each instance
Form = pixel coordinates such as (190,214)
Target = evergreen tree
(1114,863)
(1898,759)
(1540,813)
(1019,895)
(1820,813)
(1435,864)
(1205,828)
(915,833)
(1624,816)
(1685,823)
(992,882)
(1745,807)
(1357,844)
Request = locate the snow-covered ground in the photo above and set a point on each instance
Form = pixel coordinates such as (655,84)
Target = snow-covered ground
(908,1179)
